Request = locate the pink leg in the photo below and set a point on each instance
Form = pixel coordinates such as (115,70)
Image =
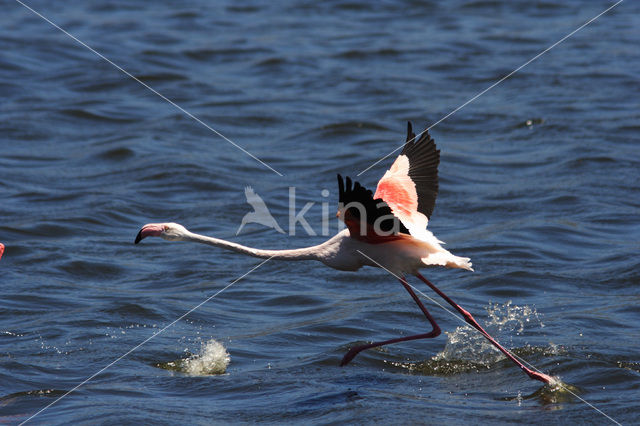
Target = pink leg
(433,333)
(471,321)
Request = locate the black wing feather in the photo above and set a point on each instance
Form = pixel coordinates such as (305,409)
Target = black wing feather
(351,196)
(424,159)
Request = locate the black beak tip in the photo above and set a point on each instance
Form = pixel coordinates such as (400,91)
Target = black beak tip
(138,237)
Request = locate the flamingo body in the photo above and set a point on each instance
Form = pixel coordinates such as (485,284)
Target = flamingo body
(404,255)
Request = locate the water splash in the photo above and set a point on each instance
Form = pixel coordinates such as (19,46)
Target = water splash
(467,350)
(213,358)
(553,394)
(512,317)
(466,344)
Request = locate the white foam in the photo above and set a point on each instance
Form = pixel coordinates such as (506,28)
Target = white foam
(213,358)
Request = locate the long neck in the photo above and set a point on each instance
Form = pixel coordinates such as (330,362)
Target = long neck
(307,253)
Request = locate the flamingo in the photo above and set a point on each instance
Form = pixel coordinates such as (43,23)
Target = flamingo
(1,250)
(387,230)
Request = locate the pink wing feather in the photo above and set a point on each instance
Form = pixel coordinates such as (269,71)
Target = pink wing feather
(410,186)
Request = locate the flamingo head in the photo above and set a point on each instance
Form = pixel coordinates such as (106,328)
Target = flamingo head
(169,231)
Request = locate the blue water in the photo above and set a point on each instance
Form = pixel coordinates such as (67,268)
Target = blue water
(539,185)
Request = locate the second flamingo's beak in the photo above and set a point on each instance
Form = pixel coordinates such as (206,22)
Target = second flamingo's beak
(149,230)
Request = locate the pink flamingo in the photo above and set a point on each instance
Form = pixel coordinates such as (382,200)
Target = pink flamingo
(1,250)
(387,229)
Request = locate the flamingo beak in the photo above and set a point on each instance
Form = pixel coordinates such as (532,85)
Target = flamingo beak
(150,230)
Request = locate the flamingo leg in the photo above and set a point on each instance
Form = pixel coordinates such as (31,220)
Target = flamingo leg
(433,333)
(471,321)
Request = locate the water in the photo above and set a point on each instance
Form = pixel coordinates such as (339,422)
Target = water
(539,186)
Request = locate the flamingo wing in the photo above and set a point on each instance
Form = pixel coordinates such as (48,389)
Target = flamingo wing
(368,219)
(410,186)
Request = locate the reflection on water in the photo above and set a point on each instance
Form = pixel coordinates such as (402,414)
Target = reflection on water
(554,393)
